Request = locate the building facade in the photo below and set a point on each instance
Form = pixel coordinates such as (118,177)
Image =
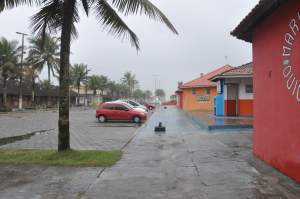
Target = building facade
(273,27)
(44,97)
(234,92)
(198,94)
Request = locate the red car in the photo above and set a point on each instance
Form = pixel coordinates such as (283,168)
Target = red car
(119,111)
(149,106)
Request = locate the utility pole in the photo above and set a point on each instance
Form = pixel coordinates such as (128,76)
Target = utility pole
(155,80)
(226,59)
(159,84)
(21,73)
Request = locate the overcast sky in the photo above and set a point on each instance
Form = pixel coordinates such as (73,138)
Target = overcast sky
(203,42)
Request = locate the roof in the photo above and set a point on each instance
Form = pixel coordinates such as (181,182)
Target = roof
(245,70)
(203,81)
(262,10)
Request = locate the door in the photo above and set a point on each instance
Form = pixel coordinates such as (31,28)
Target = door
(232,100)
(122,113)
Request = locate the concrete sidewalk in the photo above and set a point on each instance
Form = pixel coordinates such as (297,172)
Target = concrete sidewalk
(183,163)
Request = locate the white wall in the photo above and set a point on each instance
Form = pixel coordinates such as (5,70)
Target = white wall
(242,87)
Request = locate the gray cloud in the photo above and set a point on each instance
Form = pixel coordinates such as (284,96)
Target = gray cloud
(203,42)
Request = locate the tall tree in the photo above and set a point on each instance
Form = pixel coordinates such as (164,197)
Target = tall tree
(94,83)
(129,80)
(44,52)
(78,75)
(160,93)
(121,90)
(62,15)
(148,94)
(103,81)
(138,95)
(32,73)
(9,51)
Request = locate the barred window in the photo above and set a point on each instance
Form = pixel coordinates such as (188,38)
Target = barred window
(249,88)
(194,91)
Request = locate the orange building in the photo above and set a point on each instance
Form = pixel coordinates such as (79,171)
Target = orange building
(198,94)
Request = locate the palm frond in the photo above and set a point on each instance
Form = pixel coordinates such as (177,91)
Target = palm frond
(110,19)
(6,4)
(143,7)
(49,19)
(86,6)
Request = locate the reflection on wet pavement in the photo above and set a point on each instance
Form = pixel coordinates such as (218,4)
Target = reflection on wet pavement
(185,162)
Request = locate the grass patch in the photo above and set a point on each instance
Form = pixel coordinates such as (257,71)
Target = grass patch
(66,158)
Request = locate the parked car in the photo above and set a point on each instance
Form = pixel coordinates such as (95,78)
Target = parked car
(135,108)
(119,111)
(149,106)
(134,104)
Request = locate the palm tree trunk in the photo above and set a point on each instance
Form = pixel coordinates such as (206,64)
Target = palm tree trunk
(78,93)
(33,92)
(64,76)
(49,74)
(4,91)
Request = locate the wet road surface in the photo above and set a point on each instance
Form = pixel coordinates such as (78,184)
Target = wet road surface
(184,163)
(85,131)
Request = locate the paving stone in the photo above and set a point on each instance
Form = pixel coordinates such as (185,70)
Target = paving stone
(185,162)
(85,131)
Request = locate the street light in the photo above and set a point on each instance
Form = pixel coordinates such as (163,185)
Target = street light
(21,73)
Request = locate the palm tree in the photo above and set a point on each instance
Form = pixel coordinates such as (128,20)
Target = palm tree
(32,73)
(62,15)
(160,93)
(78,75)
(130,81)
(94,83)
(112,88)
(121,90)
(148,95)
(103,81)
(9,51)
(44,52)
(138,95)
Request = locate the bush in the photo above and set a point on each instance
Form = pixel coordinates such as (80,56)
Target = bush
(5,109)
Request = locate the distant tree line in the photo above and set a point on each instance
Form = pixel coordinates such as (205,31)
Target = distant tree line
(44,54)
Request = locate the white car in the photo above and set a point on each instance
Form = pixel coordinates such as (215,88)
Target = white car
(135,108)
(134,104)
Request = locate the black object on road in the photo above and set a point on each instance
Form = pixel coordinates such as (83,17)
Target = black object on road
(160,128)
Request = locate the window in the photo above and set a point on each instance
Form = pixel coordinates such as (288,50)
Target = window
(193,91)
(249,88)
(207,91)
(120,108)
(108,106)
(133,103)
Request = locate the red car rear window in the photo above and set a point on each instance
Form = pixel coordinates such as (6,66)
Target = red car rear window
(107,106)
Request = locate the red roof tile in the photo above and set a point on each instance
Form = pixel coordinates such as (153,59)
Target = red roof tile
(204,80)
(245,70)
(263,9)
